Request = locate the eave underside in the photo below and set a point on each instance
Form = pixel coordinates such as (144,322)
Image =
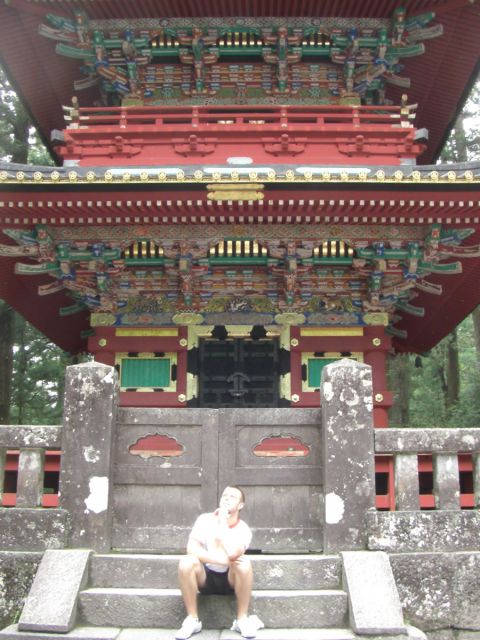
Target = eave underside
(185,211)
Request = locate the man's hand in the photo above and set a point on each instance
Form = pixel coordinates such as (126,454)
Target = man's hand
(223,515)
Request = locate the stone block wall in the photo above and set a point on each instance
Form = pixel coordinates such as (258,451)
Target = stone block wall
(17,570)
(439,591)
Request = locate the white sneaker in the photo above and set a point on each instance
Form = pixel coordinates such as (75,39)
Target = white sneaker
(247,626)
(190,626)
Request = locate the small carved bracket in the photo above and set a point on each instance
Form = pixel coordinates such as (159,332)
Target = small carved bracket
(284,144)
(194,146)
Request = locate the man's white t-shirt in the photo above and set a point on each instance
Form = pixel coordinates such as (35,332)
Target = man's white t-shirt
(205,530)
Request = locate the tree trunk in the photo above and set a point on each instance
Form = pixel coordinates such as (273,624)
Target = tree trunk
(476,332)
(404,373)
(21,371)
(400,381)
(7,319)
(453,371)
(461,144)
(21,129)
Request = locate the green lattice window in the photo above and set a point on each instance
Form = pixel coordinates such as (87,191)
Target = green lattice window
(152,373)
(313,364)
(314,370)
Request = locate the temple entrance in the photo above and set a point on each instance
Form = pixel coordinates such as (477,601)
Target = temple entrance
(172,464)
(238,372)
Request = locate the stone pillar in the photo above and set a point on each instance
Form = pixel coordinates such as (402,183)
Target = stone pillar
(446,481)
(348,454)
(91,393)
(407,489)
(30,477)
(476,479)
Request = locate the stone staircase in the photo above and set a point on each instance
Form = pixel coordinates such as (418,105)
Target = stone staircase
(135,597)
(140,591)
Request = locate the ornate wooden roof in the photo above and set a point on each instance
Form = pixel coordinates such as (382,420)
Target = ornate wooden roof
(388,245)
(255,210)
(440,78)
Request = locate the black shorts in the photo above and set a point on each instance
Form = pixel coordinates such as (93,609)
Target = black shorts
(216,583)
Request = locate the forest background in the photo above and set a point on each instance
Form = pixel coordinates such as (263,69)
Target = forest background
(440,388)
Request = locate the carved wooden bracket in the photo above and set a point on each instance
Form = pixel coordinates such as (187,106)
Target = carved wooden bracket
(284,144)
(193,146)
(120,147)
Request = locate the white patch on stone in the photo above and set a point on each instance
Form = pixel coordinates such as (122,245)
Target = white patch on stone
(334,508)
(109,377)
(327,391)
(91,454)
(469,440)
(275,572)
(97,501)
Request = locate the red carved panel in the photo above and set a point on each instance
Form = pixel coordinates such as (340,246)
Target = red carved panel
(156,445)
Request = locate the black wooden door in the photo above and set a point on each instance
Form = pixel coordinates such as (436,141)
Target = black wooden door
(238,373)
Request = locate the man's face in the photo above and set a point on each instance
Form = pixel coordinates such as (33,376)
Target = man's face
(231,499)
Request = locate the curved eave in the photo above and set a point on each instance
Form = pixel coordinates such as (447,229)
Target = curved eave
(20,292)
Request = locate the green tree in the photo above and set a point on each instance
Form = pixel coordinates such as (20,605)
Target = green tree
(18,143)
(443,389)
(38,370)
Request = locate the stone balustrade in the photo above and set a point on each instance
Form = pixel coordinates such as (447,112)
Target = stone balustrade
(31,442)
(444,445)
(28,527)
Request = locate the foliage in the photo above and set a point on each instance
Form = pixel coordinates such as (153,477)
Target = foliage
(427,406)
(31,368)
(464,142)
(19,141)
(38,375)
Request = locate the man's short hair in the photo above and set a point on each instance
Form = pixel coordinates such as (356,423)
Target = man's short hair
(242,494)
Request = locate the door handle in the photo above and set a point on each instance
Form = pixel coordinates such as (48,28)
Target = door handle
(238,378)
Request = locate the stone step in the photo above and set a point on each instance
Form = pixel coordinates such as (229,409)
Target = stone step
(263,634)
(163,608)
(78,633)
(282,572)
(111,633)
(225,634)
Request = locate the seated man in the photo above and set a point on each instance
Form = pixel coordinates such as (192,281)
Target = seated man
(216,564)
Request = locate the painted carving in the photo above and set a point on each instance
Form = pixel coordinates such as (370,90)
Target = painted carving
(283,281)
(156,446)
(281,446)
(173,61)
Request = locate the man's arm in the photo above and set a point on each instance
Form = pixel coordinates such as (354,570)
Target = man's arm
(218,556)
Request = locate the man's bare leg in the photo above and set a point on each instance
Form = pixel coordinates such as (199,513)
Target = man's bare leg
(191,576)
(240,577)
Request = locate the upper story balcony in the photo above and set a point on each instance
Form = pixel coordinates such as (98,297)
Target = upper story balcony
(195,135)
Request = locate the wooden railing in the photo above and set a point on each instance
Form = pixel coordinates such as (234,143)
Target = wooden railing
(217,118)
(411,457)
